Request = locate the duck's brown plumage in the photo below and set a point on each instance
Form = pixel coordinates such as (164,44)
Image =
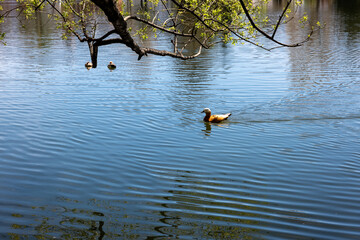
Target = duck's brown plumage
(215,118)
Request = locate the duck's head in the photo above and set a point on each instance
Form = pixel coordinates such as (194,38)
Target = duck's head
(206,110)
(111,63)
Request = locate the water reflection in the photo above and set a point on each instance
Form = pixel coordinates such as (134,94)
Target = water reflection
(59,223)
(203,206)
(208,127)
(348,12)
(184,213)
(207,130)
(314,68)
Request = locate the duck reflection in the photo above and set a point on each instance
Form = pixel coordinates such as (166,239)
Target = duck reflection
(207,130)
(208,126)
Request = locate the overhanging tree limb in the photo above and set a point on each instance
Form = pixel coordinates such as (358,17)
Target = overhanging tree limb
(171,54)
(264,33)
(119,23)
(203,22)
(157,26)
(175,33)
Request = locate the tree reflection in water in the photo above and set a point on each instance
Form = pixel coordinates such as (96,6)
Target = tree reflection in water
(196,205)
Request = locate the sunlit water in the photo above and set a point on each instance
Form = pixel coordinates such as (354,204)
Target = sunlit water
(125,154)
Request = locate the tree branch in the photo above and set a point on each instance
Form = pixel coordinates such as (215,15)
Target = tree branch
(109,41)
(236,34)
(105,35)
(38,6)
(261,31)
(280,18)
(194,14)
(171,54)
(166,30)
(6,14)
(115,17)
(157,26)
(169,13)
(65,20)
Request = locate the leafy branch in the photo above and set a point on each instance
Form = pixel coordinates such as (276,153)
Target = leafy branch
(187,23)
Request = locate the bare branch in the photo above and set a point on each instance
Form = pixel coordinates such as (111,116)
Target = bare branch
(169,19)
(261,31)
(38,6)
(168,11)
(236,34)
(164,29)
(105,35)
(120,26)
(280,18)
(185,45)
(73,10)
(171,54)
(157,26)
(109,41)
(155,17)
(6,14)
(300,43)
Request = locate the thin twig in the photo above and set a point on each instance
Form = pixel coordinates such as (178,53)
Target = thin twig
(261,31)
(194,14)
(38,6)
(171,54)
(236,34)
(280,18)
(157,26)
(6,14)
(65,20)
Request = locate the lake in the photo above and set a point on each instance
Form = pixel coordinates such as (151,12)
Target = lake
(124,154)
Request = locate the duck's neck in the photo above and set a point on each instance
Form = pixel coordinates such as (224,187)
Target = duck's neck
(207,116)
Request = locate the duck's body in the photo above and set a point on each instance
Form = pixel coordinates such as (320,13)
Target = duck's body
(88,65)
(214,118)
(111,65)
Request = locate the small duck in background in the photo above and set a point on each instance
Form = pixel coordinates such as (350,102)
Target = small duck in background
(214,118)
(88,65)
(111,66)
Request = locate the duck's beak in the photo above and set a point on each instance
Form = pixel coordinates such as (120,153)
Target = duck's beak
(202,111)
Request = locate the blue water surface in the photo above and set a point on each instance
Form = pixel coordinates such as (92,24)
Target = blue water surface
(124,154)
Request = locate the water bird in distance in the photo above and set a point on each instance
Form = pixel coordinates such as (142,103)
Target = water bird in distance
(88,65)
(214,118)
(111,65)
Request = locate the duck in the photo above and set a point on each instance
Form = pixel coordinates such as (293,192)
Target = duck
(214,118)
(88,65)
(111,65)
